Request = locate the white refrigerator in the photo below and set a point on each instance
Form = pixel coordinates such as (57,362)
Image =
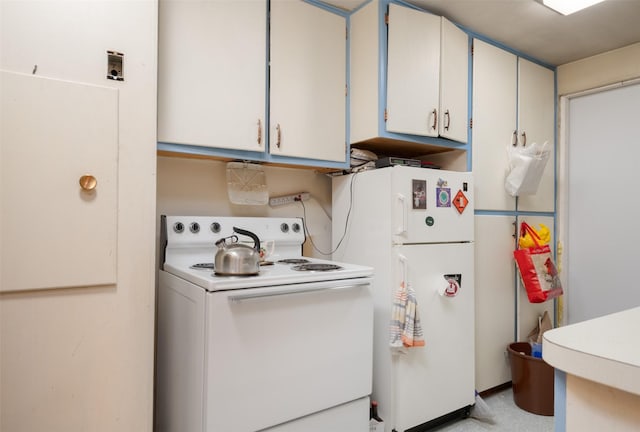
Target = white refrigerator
(414,226)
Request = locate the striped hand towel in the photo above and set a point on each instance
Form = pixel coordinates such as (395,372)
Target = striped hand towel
(405,328)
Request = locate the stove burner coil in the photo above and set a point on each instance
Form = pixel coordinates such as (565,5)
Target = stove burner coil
(316,267)
(293,261)
(206,266)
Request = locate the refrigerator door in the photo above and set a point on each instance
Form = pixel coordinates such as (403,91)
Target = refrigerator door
(438,378)
(431,206)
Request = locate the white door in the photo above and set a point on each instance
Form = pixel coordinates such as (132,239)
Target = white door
(431,206)
(454,82)
(307,82)
(438,378)
(599,219)
(494,123)
(495,298)
(212,73)
(413,71)
(536,123)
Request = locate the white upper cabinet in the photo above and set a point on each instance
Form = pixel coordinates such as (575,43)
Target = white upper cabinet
(212,73)
(494,124)
(365,57)
(409,84)
(217,88)
(308,82)
(427,75)
(536,124)
(513,104)
(454,82)
(413,71)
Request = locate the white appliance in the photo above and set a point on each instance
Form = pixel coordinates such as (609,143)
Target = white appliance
(415,225)
(285,350)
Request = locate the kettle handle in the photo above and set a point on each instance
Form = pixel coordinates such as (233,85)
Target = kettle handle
(256,240)
(223,241)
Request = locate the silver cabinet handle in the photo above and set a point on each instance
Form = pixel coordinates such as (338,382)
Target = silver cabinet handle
(524,139)
(435,119)
(298,290)
(279,135)
(514,140)
(448,118)
(259,132)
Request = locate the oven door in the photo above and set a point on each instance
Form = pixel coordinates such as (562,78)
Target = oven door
(280,353)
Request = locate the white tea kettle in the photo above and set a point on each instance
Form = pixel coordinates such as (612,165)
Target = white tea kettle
(237,259)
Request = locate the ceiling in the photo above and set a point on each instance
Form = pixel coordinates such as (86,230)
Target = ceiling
(537,31)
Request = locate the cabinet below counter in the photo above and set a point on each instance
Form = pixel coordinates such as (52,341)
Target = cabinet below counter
(601,360)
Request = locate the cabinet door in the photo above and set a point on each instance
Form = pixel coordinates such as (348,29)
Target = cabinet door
(212,73)
(364,72)
(307,82)
(56,233)
(454,82)
(536,123)
(494,124)
(495,298)
(413,71)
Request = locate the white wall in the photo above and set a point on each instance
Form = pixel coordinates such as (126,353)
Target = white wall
(199,187)
(81,359)
(611,67)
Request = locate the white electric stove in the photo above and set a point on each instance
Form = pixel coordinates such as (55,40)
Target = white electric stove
(288,349)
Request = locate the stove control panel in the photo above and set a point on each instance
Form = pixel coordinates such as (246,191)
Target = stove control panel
(194,230)
(295,227)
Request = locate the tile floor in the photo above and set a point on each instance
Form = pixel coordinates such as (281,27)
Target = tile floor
(507,417)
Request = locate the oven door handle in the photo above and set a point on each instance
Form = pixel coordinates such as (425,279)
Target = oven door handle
(299,290)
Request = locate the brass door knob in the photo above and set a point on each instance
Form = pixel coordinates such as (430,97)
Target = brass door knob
(88,182)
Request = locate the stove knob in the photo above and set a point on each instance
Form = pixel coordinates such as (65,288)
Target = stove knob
(194,227)
(284,227)
(215,227)
(295,227)
(178,227)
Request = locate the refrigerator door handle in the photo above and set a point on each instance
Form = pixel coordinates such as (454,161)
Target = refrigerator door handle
(402,229)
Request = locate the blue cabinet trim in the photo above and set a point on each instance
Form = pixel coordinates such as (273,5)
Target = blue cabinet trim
(185,149)
(560,401)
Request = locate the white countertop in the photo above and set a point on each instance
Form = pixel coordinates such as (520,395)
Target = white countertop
(605,350)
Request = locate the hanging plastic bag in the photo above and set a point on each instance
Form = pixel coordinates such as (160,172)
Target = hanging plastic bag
(543,237)
(537,270)
(526,166)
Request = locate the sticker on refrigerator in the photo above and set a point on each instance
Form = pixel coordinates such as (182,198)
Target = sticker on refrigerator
(419,193)
(443,197)
(460,201)
(452,286)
